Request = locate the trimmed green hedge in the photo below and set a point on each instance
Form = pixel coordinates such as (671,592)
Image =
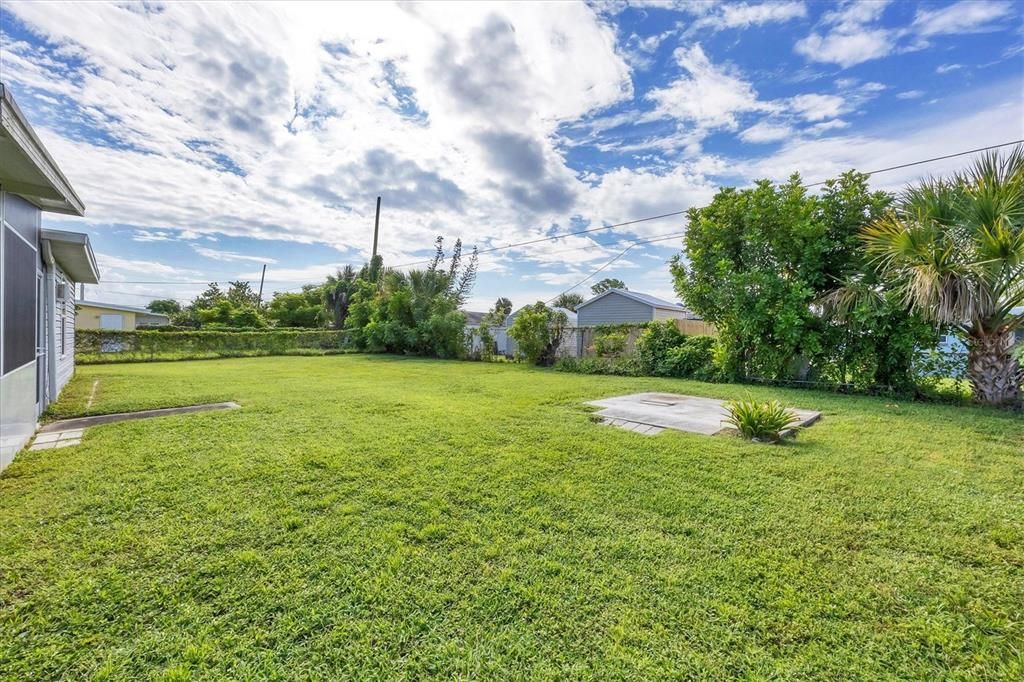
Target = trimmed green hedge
(101,345)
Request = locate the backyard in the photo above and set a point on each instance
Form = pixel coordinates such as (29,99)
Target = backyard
(380,517)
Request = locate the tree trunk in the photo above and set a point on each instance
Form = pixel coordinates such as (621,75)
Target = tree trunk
(995,375)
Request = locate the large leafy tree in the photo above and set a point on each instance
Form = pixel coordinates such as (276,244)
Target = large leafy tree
(758,262)
(538,332)
(215,307)
(298,309)
(164,306)
(953,251)
(606,284)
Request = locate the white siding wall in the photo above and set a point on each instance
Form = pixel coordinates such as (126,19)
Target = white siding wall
(614,309)
(665,314)
(64,351)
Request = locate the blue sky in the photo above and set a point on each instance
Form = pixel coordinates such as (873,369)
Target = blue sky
(207,139)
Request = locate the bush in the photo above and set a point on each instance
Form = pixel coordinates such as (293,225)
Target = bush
(662,350)
(760,421)
(654,344)
(537,330)
(694,357)
(614,366)
(609,344)
(101,345)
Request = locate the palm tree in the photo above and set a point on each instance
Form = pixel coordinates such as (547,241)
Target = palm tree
(954,251)
(569,301)
(338,292)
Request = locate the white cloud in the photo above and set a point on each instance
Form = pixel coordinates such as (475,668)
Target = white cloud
(815,107)
(947,68)
(744,15)
(849,35)
(113,267)
(151,236)
(284,120)
(846,49)
(229,256)
(966,16)
(834,124)
(709,96)
(978,119)
(765,131)
(910,94)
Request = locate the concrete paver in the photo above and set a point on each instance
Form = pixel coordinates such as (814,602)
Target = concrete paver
(68,432)
(671,411)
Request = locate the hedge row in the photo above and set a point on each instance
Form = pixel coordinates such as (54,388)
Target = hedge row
(101,345)
(167,328)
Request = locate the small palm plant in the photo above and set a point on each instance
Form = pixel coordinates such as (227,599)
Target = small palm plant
(953,250)
(760,421)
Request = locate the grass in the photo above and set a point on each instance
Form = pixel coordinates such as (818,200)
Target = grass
(386,518)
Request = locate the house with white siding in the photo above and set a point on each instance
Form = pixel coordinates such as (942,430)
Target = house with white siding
(619,306)
(96,315)
(39,268)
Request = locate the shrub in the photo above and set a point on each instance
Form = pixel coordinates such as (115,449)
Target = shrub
(654,343)
(101,345)
(609,344)
(538,331)
(692,358)
(662,350)
(760,421)
(626,366)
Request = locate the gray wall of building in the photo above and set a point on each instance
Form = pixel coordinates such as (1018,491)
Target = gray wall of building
(614,309)
(19,261)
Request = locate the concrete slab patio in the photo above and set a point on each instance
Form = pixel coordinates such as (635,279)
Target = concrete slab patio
(60,434)
(651,413)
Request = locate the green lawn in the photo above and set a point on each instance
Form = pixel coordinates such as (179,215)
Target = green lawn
(386,518)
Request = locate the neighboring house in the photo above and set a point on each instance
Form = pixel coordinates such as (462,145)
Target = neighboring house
(498,332)
(618,306)
(39,268)
(569,342)
(94,315)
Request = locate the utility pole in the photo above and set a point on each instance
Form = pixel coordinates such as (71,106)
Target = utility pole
(81,292)
(376,227)
(259,303)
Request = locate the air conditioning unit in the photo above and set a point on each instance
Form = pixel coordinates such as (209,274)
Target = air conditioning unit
(62,291)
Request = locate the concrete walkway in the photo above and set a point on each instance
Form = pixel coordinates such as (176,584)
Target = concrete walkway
(60,434)
(651,413)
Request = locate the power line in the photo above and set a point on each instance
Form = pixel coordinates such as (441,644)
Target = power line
(617,257)
(559,236)
(813,184)
(675,213)
(626,223)
(934,158)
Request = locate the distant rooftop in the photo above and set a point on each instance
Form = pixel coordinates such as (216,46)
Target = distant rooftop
(637,296)
(118,306)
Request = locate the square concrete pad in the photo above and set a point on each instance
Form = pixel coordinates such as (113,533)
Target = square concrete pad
(671,411)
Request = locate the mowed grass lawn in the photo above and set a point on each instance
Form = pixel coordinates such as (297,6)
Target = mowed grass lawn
(388,518)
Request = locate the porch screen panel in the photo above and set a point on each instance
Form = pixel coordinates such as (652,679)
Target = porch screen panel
(19,302)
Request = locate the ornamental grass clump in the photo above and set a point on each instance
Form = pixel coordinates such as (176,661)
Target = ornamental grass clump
(760,421)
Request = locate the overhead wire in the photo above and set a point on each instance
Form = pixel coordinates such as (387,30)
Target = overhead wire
(634,221)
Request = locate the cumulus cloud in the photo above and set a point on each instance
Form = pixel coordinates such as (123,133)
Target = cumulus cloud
(229,256)
(766,131)
(708,95)
(851,34)
(271,121)
(966,16)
